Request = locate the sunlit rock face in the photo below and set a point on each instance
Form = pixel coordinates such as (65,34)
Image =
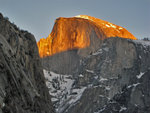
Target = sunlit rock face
(77,32)
(109,29)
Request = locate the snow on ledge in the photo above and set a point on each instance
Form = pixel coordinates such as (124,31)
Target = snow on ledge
(140,75)
(144,43)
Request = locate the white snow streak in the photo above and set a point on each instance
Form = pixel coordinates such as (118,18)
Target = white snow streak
(140,75)
(122,109)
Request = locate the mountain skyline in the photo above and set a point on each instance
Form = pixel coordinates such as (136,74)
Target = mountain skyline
(38,17)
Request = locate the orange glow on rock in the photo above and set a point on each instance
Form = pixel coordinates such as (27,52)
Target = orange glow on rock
(110,30)
(75,32)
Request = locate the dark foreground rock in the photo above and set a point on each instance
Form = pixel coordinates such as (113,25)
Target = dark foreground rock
(22,84)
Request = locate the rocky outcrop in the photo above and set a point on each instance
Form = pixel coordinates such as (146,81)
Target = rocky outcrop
(113,79)
(109,75)
(22,84)
(79,32)
(118,79)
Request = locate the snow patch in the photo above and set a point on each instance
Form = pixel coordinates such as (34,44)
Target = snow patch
(84,17)
(98,52)
(136,84)
(107,25)
(140,75)
(79,92)
(133,85)
(112,25)
(59,85)
(122,109)
(62,91)
(107,88)
(103,79)
(3,105)
(90,71)
(120,28)
(81,75)
(96,77)
(100,110)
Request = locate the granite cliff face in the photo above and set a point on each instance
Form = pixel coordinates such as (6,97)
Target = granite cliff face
(22,83)
(114,79)
(110,75)
(78,32)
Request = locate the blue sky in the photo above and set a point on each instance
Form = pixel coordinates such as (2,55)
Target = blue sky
(38,16)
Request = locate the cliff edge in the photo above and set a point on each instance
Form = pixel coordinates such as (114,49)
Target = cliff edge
(22,83)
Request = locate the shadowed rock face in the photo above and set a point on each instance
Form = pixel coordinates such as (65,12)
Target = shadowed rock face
(22,84)
(78,32)
(64,62)
(115,78)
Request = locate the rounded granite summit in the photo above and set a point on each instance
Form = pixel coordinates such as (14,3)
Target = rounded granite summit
(79,32)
